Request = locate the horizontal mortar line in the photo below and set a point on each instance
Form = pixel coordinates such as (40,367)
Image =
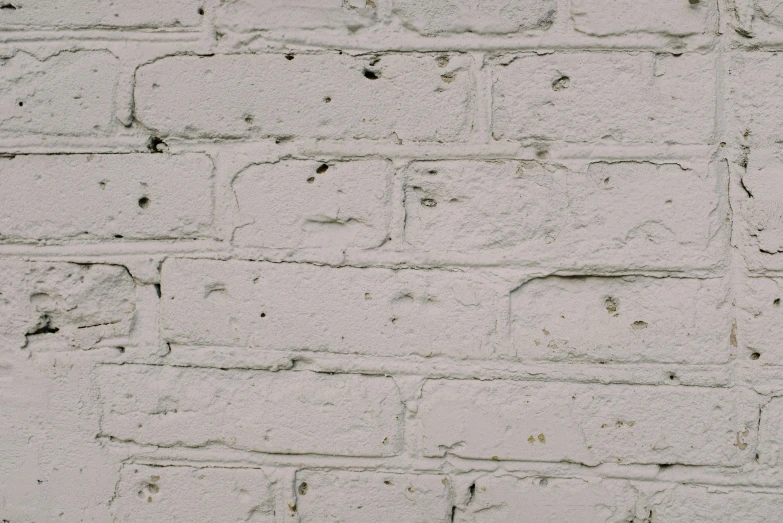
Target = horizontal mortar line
(207,247)
(510,259)
(218,251)
(392,42)
(406,464)
(360,148)
(440,367)
(76,35)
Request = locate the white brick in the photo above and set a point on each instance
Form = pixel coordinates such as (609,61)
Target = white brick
(760,320)
(70,93)
(29,14)
(356,497)
(588,424)
(668,17)
(312,95)
(282,413)
(189,493)
(292,306)
(300,203)
(270,15)
(614,96)
(649,214)
(105,196)
(554,500)
(461,16)
(65,303)
(628,319)
(757,105)
(760,204)
(695,504)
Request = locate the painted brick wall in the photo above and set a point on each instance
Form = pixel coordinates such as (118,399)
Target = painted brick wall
(410,261)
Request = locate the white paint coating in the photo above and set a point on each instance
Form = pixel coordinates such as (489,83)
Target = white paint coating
(450,261)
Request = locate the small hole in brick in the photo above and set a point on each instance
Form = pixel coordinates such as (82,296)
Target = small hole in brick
(672,376)
(370,75)
(322,169)
(21,104)
(289,56)
(8,6)
(776,303)
(248,120)
(144,202)
(263,315)
(303,489)
(119,236)
(327,100)
(102,185)
(157,288)
(121,349)
(311,179)
(755,356)
(428,202)
(156,145)
(201,11)
(561,83)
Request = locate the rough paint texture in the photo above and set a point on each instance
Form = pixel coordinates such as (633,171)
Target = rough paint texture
(394,261)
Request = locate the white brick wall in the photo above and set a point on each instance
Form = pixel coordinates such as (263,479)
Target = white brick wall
(407,261)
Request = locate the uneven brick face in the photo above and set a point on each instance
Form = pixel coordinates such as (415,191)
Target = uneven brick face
(668,17)
(592,500)
(64,305)
(301,203)
(588,424)
(297,413)
(756,105)
(348,310)
(313,95)
(70,93)
(622,97)
(100,13)
(759,314)
(105,196)
(626,319)
(721,505)
(651,214)
(266,15)
(460,16)
(363,496)
(187,493)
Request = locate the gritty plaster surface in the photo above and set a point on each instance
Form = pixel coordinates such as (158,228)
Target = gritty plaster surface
(442,261)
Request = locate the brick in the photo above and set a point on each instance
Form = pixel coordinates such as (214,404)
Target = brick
(771,434)
(760,203)
(302,203)
(696,504)
(70,93)
(651,214)
(65,303)
(29,14)
(759,320)
(624,319)
(616,96)
(330,96)
(757,105)
(269,15)
(375,311)
(354,497)
(668,17)
(554,500)
(462,16)
(588,424)
(189,493)
(282,413)
(131,196)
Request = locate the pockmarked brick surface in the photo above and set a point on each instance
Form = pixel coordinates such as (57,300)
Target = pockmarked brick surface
(396,261)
